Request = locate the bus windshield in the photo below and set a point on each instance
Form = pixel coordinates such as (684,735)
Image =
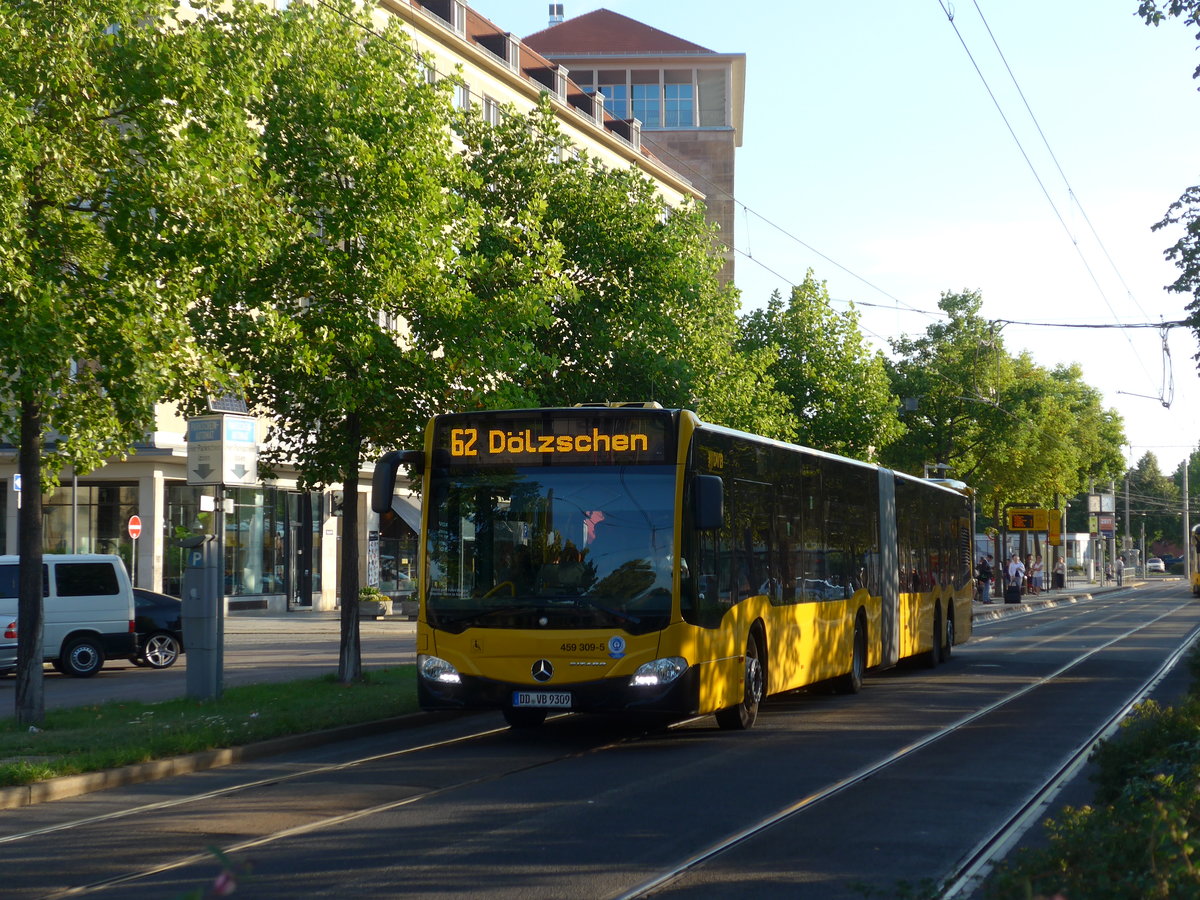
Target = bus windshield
(551,547)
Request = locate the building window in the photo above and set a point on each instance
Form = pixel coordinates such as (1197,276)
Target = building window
(462,95)
(646,105)
(491,111)
(713,105)
(678,99)
(90,518)
(397,555)
(614,84)
(258,538)
(426,70)
(254,542)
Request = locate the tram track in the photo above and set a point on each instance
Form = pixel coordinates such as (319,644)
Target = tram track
(970,872)
(966,874)
(142,811)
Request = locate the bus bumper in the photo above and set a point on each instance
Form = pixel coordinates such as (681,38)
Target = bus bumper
(609,695)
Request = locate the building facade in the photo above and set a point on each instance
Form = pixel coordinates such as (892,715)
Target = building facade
(688,100)
(282,544)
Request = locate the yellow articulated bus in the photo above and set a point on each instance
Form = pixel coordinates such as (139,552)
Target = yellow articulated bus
(626,558)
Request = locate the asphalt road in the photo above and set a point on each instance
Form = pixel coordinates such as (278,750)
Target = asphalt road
(589,807)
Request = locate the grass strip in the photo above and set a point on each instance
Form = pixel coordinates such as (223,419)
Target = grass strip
(122,732)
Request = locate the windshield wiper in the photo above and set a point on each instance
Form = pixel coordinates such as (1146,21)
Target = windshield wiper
(477,614)
(578,600)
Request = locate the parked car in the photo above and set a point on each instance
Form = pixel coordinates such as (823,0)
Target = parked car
(159,624)
(87,609)
(8,648)
(1154,564)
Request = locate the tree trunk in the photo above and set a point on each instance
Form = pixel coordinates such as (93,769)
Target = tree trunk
(350,652)
(30,689)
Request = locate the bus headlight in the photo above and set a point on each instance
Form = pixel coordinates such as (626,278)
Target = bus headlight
(659,672)
(434,669)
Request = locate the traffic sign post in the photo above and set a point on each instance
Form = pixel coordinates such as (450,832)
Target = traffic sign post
(135,532)
(222,450)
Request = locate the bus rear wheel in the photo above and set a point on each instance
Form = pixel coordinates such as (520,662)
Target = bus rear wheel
(934,656)
(852,681)
(741,716)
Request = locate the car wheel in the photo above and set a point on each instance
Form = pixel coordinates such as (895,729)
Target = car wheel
(82,658)
(160,650)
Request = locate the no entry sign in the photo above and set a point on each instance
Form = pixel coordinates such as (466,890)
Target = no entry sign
(135,527)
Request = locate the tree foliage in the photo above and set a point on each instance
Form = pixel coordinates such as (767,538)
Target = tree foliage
(840,396)
(1155,501)
(333,331)
(1184,212)
(628,305)
(1013,430)
(123,155)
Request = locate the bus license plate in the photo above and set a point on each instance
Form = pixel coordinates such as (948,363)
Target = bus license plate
(551,699)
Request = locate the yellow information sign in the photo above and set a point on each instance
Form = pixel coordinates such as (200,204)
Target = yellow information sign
(1028,520)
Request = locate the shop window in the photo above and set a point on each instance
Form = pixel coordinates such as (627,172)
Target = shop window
(90,518)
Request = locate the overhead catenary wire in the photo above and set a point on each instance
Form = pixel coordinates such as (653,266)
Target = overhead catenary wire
(1033,169)
(685,168)
(1054,158)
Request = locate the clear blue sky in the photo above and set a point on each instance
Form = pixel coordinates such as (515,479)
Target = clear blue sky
(874,155)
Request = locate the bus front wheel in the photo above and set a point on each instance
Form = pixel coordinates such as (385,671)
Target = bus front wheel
(741,716)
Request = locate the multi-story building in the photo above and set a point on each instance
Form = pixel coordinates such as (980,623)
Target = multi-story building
(281,544)
(687,100)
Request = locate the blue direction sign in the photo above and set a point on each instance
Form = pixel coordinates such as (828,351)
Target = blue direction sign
(222,449)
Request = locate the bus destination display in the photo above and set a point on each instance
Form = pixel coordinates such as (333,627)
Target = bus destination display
(558,440)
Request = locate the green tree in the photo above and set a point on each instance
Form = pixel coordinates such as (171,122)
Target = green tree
(625,303)
(334,330)
(122,163)
(841,397)
(1014,431)
(1184,212)
(1155,501)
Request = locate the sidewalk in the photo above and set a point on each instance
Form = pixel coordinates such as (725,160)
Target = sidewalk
(998,609)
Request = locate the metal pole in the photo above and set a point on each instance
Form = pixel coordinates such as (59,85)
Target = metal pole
(74,510)
(219,593)
(1187,525)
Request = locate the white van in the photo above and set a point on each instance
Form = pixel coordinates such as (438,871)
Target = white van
(87,609)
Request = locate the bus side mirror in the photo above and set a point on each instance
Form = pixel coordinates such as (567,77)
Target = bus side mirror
(708,502)
(383,481)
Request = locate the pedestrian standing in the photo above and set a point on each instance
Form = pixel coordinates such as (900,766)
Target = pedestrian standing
(1016,578)
(984,577)
(1060,572)
(1120,570)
